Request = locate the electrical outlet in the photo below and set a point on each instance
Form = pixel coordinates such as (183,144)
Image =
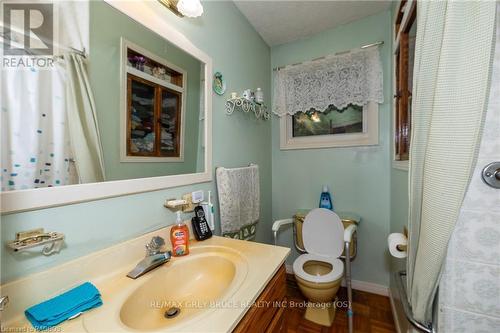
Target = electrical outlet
(189,206)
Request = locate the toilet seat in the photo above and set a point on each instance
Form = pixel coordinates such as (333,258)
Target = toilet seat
(335,274)
(323,237)
(323,233)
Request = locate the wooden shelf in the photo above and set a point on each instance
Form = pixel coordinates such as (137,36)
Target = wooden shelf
(154,79)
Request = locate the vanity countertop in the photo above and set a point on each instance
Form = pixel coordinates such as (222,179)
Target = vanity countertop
(107,270)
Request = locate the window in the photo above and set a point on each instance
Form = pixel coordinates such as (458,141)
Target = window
(330,121)
(154,107)
(405,32)
(347,127)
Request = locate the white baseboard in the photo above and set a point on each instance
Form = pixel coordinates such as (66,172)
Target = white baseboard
(368,287)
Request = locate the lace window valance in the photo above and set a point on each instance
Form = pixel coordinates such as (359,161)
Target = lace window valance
(352,78)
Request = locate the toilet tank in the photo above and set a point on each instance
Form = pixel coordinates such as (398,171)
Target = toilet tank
(347,218)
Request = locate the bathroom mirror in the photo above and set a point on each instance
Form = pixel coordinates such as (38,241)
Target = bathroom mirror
(123,105)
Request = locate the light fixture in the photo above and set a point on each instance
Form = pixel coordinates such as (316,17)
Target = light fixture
(172,5)
(181,8)
(190,8)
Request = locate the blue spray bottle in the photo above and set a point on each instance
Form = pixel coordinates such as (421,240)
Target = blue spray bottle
(325,200)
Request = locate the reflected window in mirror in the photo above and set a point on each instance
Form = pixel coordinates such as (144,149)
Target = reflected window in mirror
(154,105)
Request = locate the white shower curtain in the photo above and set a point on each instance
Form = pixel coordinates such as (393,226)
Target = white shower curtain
(35,139)
(451,84)
(82,121)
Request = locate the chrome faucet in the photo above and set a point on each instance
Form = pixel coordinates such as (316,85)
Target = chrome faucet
(4,300)
(154,258)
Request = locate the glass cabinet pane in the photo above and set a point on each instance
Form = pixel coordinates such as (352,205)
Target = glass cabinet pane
(170,123)
(141,118)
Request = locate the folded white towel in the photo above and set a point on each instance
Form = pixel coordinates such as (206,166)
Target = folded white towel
(239,201)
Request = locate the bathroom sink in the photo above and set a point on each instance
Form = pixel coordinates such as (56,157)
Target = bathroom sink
(184,288)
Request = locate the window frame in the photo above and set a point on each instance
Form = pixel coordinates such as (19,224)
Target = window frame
(368,137)
(405,17)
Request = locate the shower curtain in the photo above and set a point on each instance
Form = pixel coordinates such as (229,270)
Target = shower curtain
(454,50)
(82,121)
(35,140)
(50,135)
(48,115)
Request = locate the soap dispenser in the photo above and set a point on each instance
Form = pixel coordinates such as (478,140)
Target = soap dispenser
(179,237)
(325,200)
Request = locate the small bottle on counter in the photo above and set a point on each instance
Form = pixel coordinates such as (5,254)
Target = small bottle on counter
(179,237)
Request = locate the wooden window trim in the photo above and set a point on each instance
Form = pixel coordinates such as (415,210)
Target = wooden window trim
(402,119)
(176,152)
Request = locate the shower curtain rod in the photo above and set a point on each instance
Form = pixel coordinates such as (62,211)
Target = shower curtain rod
(323,57)
(73,50)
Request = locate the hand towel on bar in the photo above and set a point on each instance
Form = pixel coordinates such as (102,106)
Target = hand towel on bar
(239,201)
(62,307)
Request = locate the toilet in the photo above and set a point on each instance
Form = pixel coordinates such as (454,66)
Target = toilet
(319,272)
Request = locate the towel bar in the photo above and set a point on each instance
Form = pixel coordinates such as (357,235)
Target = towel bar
(52,241)
(406,305)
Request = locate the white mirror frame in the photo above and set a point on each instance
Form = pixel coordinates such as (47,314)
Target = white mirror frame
(154,16)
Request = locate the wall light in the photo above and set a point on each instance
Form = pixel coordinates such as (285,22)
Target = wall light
(181,8)
(190,8)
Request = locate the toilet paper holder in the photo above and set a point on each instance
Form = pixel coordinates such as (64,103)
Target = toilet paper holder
(402,247)
(397,244)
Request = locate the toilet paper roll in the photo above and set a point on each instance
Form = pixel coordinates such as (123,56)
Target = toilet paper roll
(393,241)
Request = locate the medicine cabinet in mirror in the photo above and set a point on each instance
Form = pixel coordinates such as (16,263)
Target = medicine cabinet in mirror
(124,107)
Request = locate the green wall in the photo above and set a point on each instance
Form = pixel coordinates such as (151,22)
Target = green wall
(359,177)
(244,59)
(107,26)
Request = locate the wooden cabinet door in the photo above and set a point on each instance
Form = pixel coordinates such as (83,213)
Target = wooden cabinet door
(267,307)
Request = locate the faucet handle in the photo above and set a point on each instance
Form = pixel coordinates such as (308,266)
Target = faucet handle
(154,246)
(4,300)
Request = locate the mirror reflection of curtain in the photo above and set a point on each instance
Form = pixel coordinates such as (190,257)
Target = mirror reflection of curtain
(47,112)
(35,141)
(82,121)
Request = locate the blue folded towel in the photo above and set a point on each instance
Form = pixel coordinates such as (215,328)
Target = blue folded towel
(64,306)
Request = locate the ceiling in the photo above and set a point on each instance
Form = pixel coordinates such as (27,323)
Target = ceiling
(280,22)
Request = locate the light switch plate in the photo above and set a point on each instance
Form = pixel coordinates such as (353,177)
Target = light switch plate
(197,196)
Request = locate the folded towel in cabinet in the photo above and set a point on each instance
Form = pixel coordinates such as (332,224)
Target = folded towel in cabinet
(64,306)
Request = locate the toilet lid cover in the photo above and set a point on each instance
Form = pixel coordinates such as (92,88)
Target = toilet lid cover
(323,233)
